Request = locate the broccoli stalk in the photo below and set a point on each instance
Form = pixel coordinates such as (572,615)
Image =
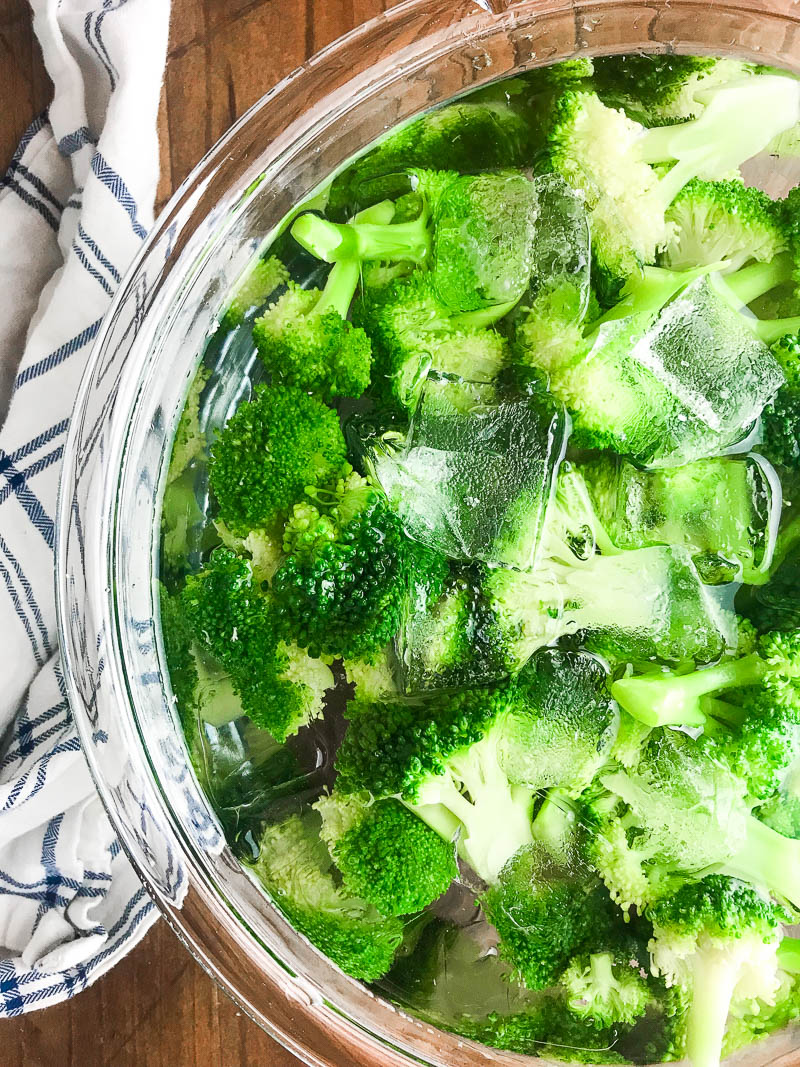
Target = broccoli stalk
(333,242)
(720,938)
(677,700)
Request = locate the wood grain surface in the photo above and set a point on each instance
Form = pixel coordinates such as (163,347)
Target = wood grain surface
(158,1008)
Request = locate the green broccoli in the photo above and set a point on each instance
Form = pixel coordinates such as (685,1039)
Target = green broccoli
(304,338)
(607,986)
(713,222)
(451,137)
(660,89)
(601,150)
(296,868)
(441,755)
(349,569)
(374,678)
(271,449)
(720,938)
(253,291)
(412,333)
(280,688)
(682,811)
(543,911)
(780,419)
(665,699)
(386,855)
(759,1018)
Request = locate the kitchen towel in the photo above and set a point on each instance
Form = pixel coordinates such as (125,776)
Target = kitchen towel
(75,205)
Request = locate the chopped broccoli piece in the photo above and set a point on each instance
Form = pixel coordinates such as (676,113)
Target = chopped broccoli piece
(759,1018)
(607,987)
(264,547)
(297,870)
(543,911)
(387,855)
(601,150)
(713,222)
(349,570)
(259,284)
(780,419)
(441,756)
(719,937)
(280,688)
(374,680)
(271,449)
(451,137)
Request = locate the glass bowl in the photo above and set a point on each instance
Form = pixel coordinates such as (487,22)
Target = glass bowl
(417,55)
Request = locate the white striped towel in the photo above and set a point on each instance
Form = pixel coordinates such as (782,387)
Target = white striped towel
(74,207)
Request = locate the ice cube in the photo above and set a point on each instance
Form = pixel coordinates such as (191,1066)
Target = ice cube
(725,510)
(562,246)
(476,473)
(720,374)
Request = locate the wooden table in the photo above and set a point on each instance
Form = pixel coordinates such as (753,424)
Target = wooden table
(158,1008)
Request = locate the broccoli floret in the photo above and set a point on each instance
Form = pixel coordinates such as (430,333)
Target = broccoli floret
(684,810)
(412,331)
(712,222)
(384,242)
(386,854)
(607,987)
(259,284)
(664,699)
(349,570)
(543,911)
(719,937)
(475,355)
(297,870)
(452,137)
(441,756)
(568,726)
(759,1018)
(634,606)
(601,150)
(271,449)
(181,664)
(660,89)
(280,688)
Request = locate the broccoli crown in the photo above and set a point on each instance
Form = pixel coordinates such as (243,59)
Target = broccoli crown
(722,221)
(233,621)
(542,912)
(254,290)
(568,725)
(386,854)
(606,987)
(307,343)
(762,1017)
(181,663)
(483,240)
(660,89)
(715,907)
(269,451)
(441,755)
(780,419)
(350,569)
(297,870)
(392,748)
(451,137)
(411,330)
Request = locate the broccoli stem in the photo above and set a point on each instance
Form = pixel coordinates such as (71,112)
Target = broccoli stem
(674,700)
(714,981)
(367,241)
(649,291)
(345,274)
(753,281)
(789,955)
(769,859)
(554,824)
(771,330)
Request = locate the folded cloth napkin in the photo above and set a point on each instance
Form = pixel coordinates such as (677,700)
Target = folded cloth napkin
(75,206)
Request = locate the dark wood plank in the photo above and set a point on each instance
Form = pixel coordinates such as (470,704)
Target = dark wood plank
(158,1008)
